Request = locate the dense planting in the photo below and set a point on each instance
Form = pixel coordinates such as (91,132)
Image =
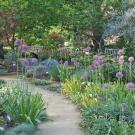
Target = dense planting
(84,47)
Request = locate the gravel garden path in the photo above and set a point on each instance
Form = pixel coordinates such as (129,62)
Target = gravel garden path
(65,117)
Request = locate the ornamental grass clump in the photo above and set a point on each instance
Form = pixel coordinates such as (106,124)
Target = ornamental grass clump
(22,105)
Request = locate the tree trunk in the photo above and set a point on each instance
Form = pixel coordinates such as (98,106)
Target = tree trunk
(98,41)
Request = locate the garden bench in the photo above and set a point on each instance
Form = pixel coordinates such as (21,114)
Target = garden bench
(111,52)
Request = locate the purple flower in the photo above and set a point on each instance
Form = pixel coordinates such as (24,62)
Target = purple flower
(119,75)
(98,58)
(85,75)
(34,61)
(93,67)
(66,63)
(77,64)
(98,61)
(95,57)
(61,61)
(130,85)
(18,42)
(87,49)
(24,48)
(25,63)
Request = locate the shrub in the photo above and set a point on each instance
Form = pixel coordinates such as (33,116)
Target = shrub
(2,82)
(109,118)
(64,72)
(54,73)
(40,82)
(72,86)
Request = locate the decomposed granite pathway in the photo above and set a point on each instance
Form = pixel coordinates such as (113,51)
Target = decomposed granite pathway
(65,117)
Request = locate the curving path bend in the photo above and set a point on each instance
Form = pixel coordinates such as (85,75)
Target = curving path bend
(65,117)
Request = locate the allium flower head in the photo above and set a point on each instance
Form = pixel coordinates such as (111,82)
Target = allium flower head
(119,75)
(93,67)
(121,60)
(121,52)
(24,48)
(130,85)
(131,59)
(66,63)
(18,42)
(85,75)
(98,60)
(95,57)
(87,49)
(61,61)
(77,64)
(25,63)
(34,61)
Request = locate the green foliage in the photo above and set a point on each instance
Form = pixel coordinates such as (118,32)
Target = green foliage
(22,129)
(72,86)
(107,109)
(40,82)
(64,72)
(22,105)
(108,118)
(54,73)
(2,82)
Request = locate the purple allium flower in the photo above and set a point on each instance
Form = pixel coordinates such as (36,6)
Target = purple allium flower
(87,49)
(25,63)
(95,57)
(18,42)
(105,85)
(98,58)
(98,61)
(66,63)
(119,75)
(85,75)
(131,59)
(130,85)
(77,64)
(61,61)
(121,52)
(93,67)
(34,61)
(24,48)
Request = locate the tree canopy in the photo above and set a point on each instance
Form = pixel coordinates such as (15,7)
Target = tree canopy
(31,20)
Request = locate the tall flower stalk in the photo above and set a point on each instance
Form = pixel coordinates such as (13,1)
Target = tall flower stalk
(17,43)
(130,59)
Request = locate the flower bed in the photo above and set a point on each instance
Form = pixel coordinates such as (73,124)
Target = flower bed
(20,109)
